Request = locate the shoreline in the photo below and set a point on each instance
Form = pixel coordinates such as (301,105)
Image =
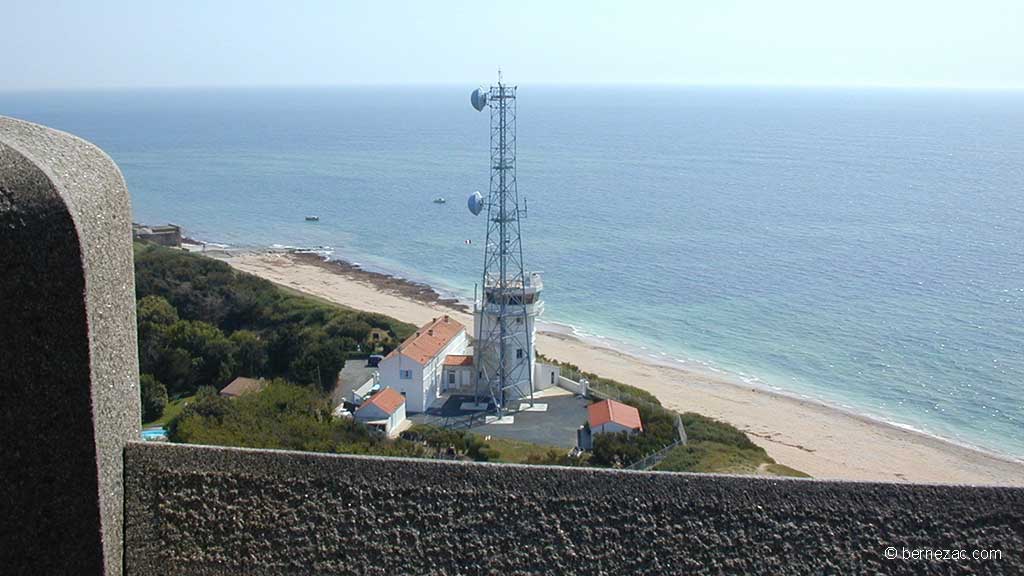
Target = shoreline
(822,440)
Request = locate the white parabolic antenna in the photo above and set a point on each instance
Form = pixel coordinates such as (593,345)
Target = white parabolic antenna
(475,203)
(478,98)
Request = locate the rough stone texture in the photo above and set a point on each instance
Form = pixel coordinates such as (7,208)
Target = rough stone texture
(68,368)
(204,510)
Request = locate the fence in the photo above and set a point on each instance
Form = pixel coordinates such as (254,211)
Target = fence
(605,392)
(652,460)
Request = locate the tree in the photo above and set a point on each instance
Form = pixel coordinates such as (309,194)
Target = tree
(212,354)
(154,316)
(154,397)
(173,366)
(155,311)
(319,359)
(251,353)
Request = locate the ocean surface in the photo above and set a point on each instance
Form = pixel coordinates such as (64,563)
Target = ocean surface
(861,247)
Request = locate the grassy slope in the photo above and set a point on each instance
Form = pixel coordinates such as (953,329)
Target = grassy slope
(518,451)
(174,407)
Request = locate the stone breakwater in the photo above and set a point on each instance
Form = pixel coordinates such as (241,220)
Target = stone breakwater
(201,510)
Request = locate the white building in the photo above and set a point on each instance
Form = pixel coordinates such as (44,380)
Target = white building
(416,368)
(458,373)
(521,333)
(384,410)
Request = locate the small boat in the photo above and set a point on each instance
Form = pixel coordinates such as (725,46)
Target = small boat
(439,200)
(312,218)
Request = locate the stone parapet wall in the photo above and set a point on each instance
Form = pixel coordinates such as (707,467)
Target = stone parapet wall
(204,510)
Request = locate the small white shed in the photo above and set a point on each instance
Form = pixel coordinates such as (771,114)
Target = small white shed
(384,410)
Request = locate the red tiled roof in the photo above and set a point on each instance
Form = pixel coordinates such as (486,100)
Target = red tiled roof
(387,399)
(429,340)
(605,411)
(458,360)
(242,385)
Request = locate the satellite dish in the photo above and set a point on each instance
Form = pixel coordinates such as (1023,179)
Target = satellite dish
(476,203)
(479,99)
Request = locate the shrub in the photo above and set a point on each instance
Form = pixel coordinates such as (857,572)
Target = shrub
(154,397)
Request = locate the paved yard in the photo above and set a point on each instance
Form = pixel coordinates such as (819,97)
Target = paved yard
(353,375)
(555,426)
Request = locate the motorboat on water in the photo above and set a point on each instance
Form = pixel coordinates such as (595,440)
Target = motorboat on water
(439,200)
(312,218)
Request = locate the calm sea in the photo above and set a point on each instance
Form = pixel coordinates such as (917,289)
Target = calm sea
(865,248)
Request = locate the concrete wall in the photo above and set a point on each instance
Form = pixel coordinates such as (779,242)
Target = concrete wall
(545,376)
(571,385)
(610,428)
(200,510)
(69,397)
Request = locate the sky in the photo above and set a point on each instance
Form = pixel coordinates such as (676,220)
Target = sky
(99,44)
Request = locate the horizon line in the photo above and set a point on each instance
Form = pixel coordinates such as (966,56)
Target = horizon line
(571,84)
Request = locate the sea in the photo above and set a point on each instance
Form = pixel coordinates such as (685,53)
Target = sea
(859,247)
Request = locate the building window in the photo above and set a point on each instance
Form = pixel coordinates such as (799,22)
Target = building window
(405,374)
(451,377)
(519,353)
(552,377)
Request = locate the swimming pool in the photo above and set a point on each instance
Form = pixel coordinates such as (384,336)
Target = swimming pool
(154,434)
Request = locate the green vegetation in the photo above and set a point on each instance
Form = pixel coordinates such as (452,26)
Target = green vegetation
(203,324)
(282,416)
(451,443)
(173,408)
(712,446)
(461,444)
(154,397)
(520,452)
(783,470)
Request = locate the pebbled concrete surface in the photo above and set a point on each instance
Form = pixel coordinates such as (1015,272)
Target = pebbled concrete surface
(69,397)
(206,510)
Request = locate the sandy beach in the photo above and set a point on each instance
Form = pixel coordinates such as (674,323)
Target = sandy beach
(822,441)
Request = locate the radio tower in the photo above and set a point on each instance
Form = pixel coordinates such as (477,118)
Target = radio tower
(504,316)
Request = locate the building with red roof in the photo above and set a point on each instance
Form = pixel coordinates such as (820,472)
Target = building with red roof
(458,372)
(417,367)
(610,416)
(384,410)
(241,386)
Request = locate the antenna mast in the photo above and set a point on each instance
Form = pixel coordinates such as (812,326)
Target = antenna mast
(510,299)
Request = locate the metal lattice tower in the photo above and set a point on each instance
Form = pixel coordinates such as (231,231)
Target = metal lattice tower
(503,353)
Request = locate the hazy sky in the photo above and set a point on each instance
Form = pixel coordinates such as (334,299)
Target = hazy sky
(128,43)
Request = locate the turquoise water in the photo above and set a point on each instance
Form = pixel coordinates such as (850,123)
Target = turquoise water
(154,434)
(865,248)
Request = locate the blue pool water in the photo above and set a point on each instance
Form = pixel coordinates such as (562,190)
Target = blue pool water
(154,434)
